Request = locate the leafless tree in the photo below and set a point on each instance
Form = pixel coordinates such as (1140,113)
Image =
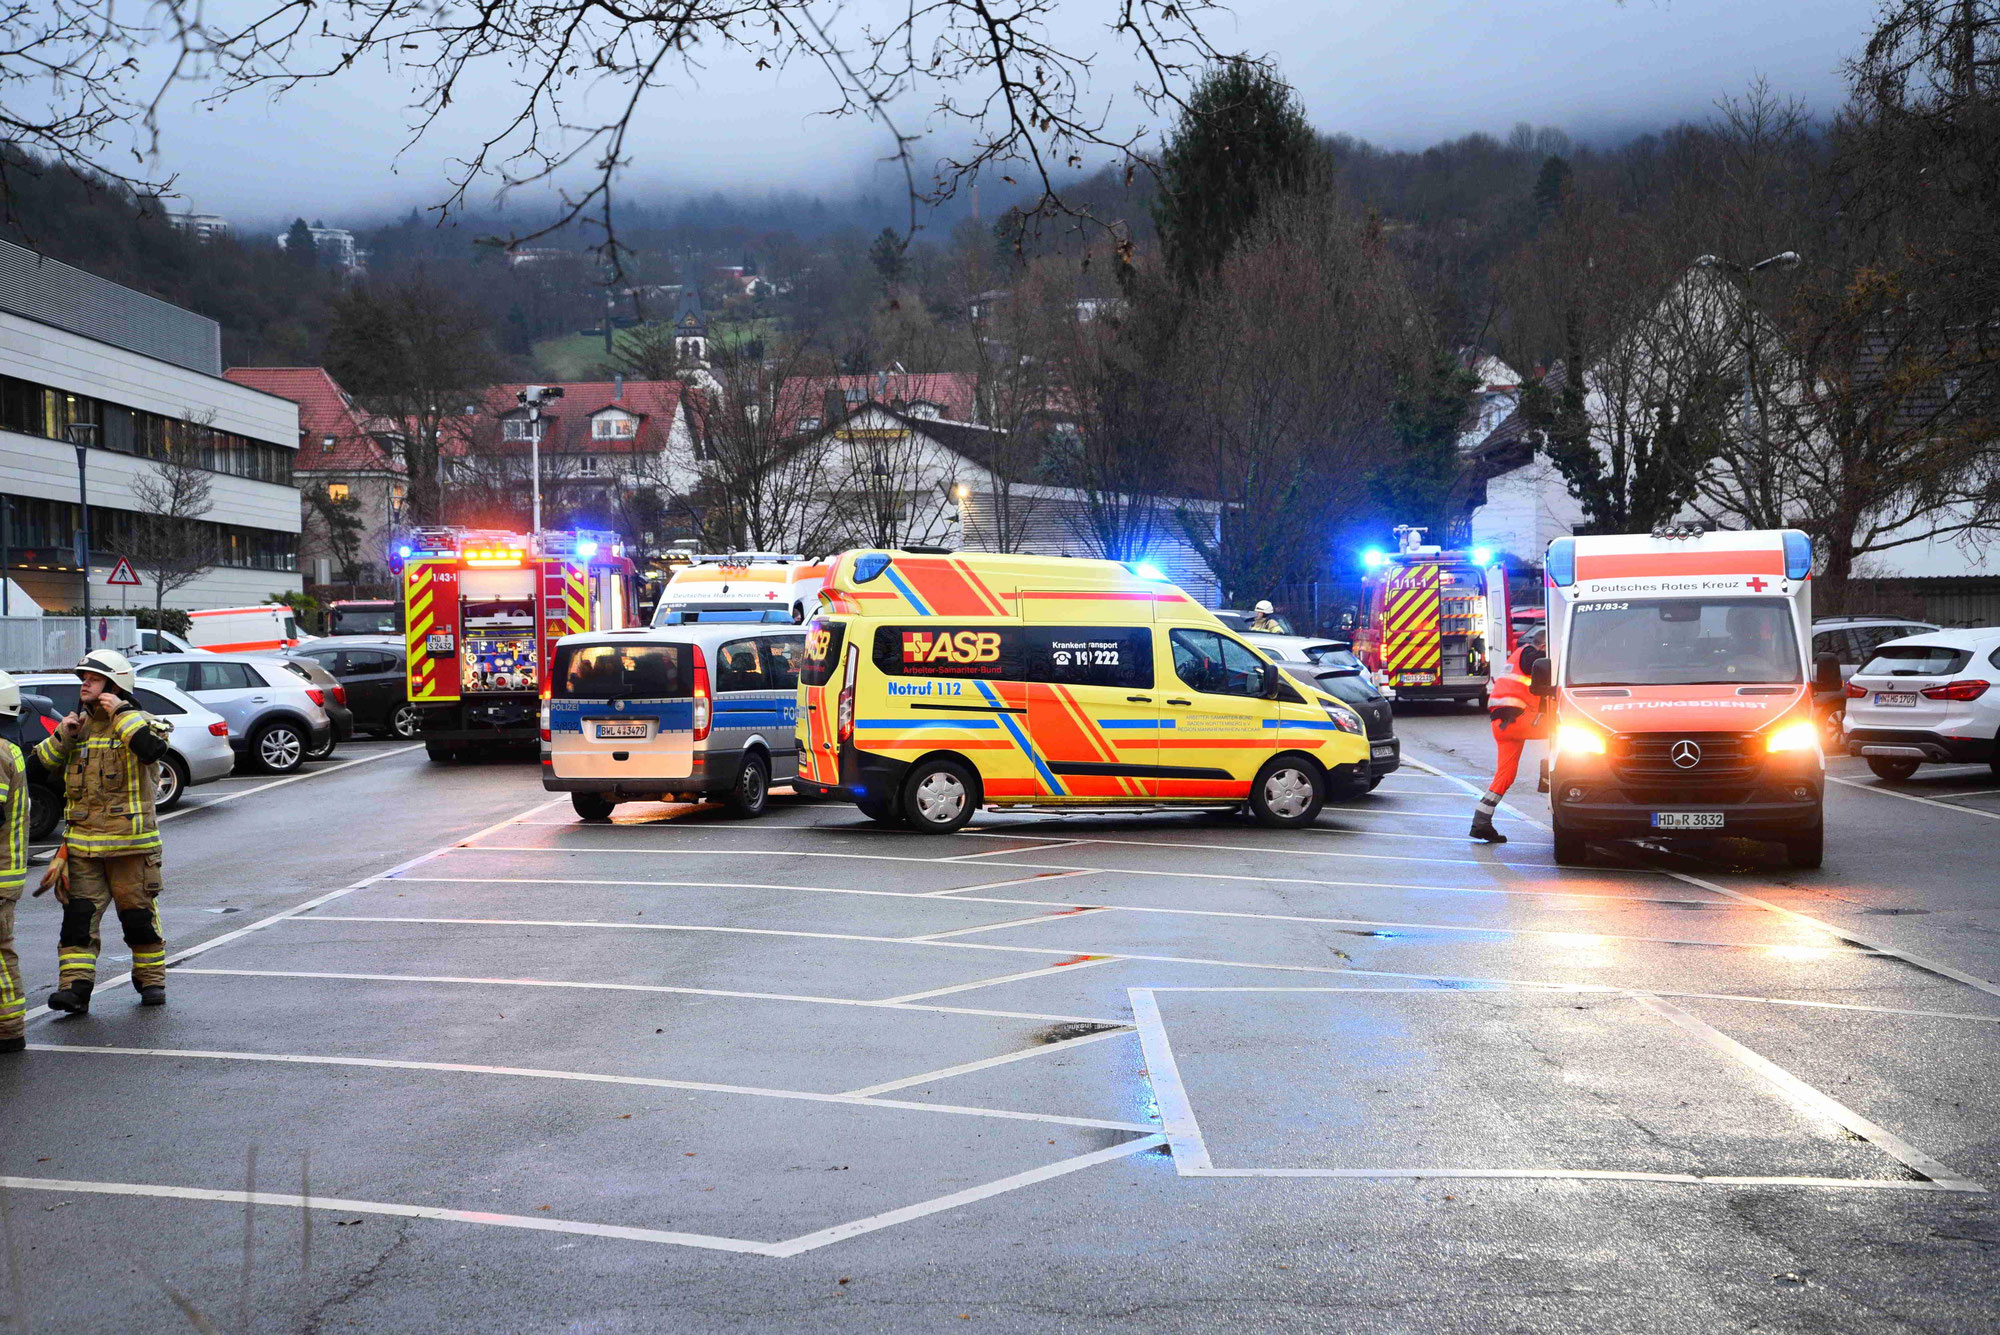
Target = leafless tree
(172,543)
(992,74)
(889,487)
(760,488)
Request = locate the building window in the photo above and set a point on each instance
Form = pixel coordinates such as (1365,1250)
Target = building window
(614,426)
(336,492)
(518,428)
(32,410)
(808,424)
(586,465)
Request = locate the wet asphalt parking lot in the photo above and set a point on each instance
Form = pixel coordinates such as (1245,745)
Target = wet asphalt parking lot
(440,1058)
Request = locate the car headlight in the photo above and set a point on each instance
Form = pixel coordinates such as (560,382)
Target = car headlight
(1578,739)
(1799,735)
(1344,719)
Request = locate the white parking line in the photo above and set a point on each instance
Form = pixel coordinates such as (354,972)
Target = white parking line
(1912,797)
(1074,911)
(656,988)
(987,1063)
(1082,961)
(295,778)
(650,1082)
(1036,879)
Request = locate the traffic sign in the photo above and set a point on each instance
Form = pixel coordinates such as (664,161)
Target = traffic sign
(123,573)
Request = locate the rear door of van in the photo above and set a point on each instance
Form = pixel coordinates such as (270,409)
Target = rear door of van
(820,680)
(622,711)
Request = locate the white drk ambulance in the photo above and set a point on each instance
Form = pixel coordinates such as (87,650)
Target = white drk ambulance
(1683,688)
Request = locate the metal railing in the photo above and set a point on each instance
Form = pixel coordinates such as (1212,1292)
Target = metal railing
(43,644)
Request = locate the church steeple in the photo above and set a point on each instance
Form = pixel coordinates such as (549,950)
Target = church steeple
(691,329)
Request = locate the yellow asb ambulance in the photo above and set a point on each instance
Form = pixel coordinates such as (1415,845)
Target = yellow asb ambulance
(937,684)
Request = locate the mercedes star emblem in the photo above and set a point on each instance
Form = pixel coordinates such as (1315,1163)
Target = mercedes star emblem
(1686,755)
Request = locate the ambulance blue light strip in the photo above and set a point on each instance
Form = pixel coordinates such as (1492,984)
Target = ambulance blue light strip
(908,593)
(1007,722)
(1301,723)
(924,723)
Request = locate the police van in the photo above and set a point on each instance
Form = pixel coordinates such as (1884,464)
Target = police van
(683,713)
(937,684)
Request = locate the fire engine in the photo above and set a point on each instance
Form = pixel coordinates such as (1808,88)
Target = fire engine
(482,611)
(1436,621)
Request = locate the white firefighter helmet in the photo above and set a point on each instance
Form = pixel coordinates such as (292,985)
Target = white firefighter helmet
(1264,606)
(112,666)
(10,697)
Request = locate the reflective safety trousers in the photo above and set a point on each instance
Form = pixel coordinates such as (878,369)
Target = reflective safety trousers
(110,790)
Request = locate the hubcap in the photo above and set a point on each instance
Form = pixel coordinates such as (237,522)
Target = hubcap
(280,747)
(1288,793)
(940,797)
(405,721)
(169,783)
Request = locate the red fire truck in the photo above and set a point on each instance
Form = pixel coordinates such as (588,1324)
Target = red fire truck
(482,611)
(1436,621)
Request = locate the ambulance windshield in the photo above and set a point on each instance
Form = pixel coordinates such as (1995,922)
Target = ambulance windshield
(1683,642)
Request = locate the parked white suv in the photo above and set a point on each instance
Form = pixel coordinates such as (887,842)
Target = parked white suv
(1928,699)
(275,717)
(1854,639)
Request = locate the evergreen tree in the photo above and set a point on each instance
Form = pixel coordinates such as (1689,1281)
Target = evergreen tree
(888,258)
(1242,139)
(1552,184)
(1419,483)
(300,248)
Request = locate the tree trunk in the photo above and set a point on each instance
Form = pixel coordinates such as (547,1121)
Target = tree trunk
(1831,592)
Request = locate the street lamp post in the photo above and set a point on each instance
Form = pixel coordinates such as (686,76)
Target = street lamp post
(83,435)
(532,398)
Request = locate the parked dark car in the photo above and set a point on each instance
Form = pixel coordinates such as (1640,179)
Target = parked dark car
(1350,685)
(372,673)
(37,720)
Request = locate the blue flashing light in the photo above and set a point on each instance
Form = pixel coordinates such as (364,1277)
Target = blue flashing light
(586,549)
(1798,554)
(1374,558)
(869,566)
(404,551)
(1561,562)
(1482,557)
(1147,570)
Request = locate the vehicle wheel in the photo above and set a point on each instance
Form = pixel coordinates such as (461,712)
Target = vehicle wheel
(172,784)
(883,810)
(939,795)
(592,807)
(325,752)
(1895,771)
(279,748)
(1806,851)
(752,790)
(441,751)
(1571,850)
(1288,792)
(45,812)
(1374,782)
(405,721)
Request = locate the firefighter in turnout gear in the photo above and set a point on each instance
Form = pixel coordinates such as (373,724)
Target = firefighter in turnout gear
(1266,618)
(1517,720)
(14,804)
(108,754)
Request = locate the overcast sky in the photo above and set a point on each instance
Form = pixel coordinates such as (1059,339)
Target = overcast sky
(1405,73)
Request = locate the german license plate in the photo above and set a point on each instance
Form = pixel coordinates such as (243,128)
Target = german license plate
(1897,699)
(1687,820)
(621,732)
(439,644)
(1381,752)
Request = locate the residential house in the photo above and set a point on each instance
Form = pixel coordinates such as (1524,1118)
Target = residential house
(343,455)
(891,477)
(598,442)
(807,403)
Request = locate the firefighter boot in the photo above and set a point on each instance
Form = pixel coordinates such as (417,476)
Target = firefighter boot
(1482,828)
(149,954)
(73,997)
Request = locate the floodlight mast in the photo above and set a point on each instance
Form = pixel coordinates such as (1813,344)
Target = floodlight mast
(532,397)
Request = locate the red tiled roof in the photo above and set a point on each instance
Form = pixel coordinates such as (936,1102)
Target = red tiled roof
(324,410)
(566,421)
(954,392)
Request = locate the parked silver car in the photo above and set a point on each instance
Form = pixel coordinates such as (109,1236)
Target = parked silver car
(198,750)
(275,717)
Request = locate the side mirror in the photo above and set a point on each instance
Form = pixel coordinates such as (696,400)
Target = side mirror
(1540,679)
(1271,675)
(1826,673)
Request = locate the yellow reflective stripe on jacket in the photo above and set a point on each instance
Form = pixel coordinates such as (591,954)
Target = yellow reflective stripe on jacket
(14,853)
(53,752)
(111,845)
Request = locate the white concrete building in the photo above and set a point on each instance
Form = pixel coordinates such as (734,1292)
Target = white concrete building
(75,348)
